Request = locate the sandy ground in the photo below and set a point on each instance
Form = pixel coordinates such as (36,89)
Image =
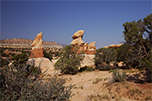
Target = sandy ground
(95,85)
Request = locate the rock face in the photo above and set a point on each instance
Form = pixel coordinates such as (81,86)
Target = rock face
(88,61)
(37,47)
(78,42)
(36,53)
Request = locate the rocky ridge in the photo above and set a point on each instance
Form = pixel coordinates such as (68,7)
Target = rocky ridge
(25,43)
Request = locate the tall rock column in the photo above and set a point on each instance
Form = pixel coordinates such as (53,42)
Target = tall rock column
(37,47)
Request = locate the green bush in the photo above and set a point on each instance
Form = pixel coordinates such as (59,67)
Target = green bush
(47,55)
(3,62)
(119,76)
(103,57)
(105,67)
(21,83)
(69,61)
(86,68)
(19,59)
(2,54)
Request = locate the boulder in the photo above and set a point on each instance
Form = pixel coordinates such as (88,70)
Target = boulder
(45,64)
(78,34)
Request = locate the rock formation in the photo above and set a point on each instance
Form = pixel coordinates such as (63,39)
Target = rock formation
(45,64)
(91,48)
(113,46)
(37,42)
(78,38)
(37,47)
(78,42)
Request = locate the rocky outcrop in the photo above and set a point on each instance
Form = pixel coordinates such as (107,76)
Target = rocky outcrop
(113,46)
(37,47)
(78,42)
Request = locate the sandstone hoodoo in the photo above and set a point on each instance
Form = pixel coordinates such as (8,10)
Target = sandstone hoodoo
(78,38)
(78,42)
(37,47)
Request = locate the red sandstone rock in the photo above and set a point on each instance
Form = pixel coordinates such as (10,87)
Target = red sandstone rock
(37,53)
(90,52)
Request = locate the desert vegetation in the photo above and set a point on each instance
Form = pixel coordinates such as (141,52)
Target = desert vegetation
(69,61)
(136,52)
(106,81)
(21,81)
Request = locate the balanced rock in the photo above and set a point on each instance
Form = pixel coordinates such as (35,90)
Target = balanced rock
(78,38)
(37,47)
(78,42)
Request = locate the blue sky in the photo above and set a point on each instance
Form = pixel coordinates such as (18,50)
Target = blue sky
(101,20)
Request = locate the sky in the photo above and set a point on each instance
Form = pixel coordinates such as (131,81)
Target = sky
(101,20)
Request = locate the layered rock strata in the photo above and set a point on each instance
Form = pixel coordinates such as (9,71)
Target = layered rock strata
(37,47)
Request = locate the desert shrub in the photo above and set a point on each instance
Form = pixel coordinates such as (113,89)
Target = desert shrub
(98,58)
(69,61)
(2,53)
(105,67)
(22,83)
(97,80)
(103,57)
(56,53)
(47,55)
(119,76)
(86,68)
(19,59)
(3,62)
